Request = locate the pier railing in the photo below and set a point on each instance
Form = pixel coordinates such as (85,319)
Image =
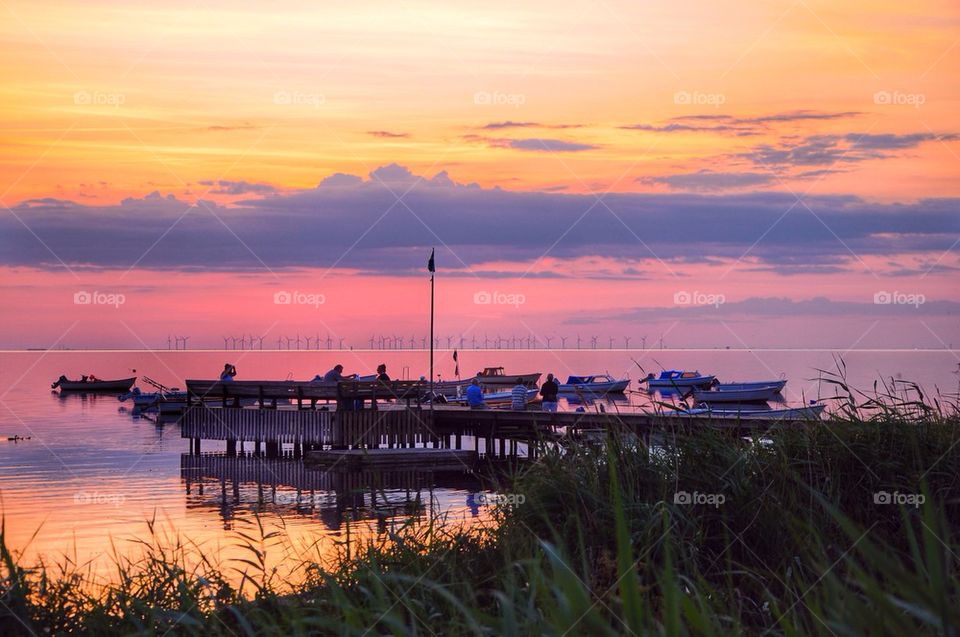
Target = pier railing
(267,392)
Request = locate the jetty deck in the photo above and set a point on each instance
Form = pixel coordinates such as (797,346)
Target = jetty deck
(400,420)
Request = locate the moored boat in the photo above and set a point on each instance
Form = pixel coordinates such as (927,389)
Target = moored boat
(595,384)
(810,412)
(779,384)
(675,378)
(722,394)
(90,384)
(495,377)
(495,399)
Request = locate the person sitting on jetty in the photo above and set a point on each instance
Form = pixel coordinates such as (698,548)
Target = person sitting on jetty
(518,396)
(549,391)
(475,395)
(336,374)
(382,375)
(229,371)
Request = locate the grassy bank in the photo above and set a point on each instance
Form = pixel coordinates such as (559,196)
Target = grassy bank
(844,529)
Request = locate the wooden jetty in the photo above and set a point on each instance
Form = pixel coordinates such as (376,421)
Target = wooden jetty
(397,419)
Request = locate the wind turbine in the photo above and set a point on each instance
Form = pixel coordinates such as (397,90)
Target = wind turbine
(578,341)
(611,343)
(593,342)
(168,342)
(548,339)
(563,342)
(341,342)
(185,338)
(626,341)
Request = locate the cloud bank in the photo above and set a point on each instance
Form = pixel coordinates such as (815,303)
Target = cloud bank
(385,221)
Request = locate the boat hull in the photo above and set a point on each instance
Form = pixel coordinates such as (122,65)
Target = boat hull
(813,412)
(509,380)
(687,383)
(103,386)
(719,395)
(615,387)
(497,398)
(778,384)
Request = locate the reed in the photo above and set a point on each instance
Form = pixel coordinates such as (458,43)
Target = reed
(841,529)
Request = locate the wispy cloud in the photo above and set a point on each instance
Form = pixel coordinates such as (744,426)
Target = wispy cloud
(386,134)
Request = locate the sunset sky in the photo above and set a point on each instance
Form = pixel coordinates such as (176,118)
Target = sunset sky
(739,174)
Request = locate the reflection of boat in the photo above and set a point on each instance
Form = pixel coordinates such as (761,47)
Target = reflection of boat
(595,384)
(496,398)
(495,377)
(678,379)
(811,412)
(722,394)
(96,385)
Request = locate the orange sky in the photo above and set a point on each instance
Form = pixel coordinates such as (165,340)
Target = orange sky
(102,100)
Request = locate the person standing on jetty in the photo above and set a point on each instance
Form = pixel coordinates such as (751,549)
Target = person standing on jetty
(518,396)
(549,391)
(229,371)
(475,395)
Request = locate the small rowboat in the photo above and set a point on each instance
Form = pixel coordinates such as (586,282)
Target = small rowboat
(102,386)
(594,384)
(779,384)
(811,412)
(721,394)
(675,379)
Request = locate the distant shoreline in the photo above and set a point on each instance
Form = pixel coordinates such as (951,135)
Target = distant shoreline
(481,349)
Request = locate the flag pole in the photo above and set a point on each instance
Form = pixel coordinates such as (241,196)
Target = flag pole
(431,266)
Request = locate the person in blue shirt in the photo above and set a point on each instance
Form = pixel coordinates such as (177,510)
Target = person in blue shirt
(229,371)
(518,396)
(475,395)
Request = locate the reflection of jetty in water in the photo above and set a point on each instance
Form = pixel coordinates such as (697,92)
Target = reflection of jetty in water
(254,482)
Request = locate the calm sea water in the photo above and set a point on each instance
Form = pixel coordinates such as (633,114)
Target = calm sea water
(92,473)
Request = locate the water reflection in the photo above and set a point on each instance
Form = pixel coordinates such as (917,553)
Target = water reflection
(242,484)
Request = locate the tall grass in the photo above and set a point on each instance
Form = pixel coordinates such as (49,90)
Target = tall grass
(609,539)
